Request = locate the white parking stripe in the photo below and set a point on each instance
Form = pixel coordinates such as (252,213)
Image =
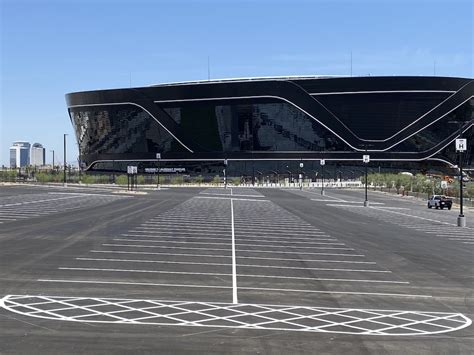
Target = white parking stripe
(230,287)
(234,263)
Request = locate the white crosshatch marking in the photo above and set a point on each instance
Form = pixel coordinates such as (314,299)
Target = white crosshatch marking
(226,315)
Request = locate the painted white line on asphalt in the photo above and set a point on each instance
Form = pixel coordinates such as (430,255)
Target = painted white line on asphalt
(310,260)
(169,237)
(326,195)
(241,237)
(315,233)
(37,201)
(336,292)
(167,241)
(131,283)
(79,194)
(159,247)
(230,287)
(341,205)
(392,208)
(270,226)
(234,262)
(236,199)
(224,274)
(325,279)
(299,253)
(185,233)
(295,247)
(141,271)
(413,216)
(152,261)
(233,195)
(163,254)
(314,268)
(185,225)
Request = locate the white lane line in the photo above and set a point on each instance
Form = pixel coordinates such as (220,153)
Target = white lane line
(133,239)
(392,208)
(298,253)
(240,275)
(185,233)
(37,201)
(142,271)
(227,198)
(311,260)
(335,292)
(167,241)
(131,283)
(341,205)
(134,236)
(159,246)
(326,195)
(241,237)
(234,264)
(164,254)
(185,225)
(153,261)
(191,225)
(413,216)
(295,247)
(225,264)
(325,279)
(233,195)
(230,287)
(241,250)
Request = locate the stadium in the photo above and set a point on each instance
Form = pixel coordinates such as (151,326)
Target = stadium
(273,124)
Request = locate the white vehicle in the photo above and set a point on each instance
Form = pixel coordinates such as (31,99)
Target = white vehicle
(440,201)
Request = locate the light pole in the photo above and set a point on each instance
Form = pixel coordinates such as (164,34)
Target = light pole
(64,175)
(301,175)
(53,158)
(366,160)
(322,162)
(158,158)
(225,173)
(461,146)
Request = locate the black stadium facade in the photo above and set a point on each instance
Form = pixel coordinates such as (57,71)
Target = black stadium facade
(271,124)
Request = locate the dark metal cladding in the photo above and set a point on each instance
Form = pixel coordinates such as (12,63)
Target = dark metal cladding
(396,119)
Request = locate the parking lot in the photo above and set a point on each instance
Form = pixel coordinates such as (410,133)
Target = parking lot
(244,269)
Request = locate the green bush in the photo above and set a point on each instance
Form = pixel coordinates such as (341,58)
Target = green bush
(177,180)
(216,180)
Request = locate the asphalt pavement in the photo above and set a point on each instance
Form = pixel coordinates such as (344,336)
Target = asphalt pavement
(237,270)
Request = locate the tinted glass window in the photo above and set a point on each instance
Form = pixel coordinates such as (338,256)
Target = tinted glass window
(259,125)
(119,129)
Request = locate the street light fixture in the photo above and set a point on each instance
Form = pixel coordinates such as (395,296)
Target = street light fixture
(64,175)
(366,160)
(158,158)
(461,146)
(225,173)
(322,162)
(301,175)
(53,158)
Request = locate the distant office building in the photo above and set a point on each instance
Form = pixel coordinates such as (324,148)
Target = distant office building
(19,154)
(38,155)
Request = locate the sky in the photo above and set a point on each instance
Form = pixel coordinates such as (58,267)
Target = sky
(50,48)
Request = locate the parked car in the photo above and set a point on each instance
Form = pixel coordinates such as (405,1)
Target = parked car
(440,201)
